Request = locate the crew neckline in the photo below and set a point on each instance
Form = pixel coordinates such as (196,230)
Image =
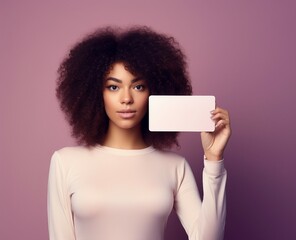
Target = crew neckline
(125,152)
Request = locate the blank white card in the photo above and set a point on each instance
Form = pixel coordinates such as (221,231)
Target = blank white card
(181,113)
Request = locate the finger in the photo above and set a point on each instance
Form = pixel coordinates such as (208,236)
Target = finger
(219,116)
(219,109)
(219,124)
(222,123)
(220,112)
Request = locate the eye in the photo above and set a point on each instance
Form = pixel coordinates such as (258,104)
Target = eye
(112,88)
(140,87)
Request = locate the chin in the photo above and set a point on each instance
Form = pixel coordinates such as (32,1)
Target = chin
(128,125)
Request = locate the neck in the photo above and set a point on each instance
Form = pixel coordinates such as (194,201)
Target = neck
(124,139)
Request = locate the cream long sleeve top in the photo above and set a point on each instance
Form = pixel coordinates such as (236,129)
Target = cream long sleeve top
(102,193)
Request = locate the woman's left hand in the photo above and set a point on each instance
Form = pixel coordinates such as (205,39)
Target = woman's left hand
(214,143)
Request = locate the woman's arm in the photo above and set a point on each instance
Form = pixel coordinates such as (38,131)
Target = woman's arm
(60,222)
(202,220)
(206,219)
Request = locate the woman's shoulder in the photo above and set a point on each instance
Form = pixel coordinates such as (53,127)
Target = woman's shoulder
(73,153)
(73,150)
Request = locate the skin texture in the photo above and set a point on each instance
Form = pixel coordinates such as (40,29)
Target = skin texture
(126,100)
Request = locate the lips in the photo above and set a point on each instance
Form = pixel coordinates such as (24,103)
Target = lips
(126,114)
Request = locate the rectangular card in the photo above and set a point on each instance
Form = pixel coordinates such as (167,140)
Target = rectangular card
(181,113)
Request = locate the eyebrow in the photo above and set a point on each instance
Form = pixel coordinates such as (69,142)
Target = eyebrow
(120,81)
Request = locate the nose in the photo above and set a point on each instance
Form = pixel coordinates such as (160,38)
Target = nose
(127,97)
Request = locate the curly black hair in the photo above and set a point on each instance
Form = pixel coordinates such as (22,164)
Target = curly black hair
(156,57)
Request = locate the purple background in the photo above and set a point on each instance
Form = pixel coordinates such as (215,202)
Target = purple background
(243,52)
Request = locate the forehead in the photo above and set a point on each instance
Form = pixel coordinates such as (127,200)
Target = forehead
(120,72)
(119,68)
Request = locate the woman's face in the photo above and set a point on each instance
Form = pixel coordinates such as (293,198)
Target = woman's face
(125,98)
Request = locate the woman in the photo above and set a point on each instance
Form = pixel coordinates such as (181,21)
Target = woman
(121,183)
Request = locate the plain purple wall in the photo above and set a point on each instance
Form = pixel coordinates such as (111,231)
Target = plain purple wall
(243,52)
